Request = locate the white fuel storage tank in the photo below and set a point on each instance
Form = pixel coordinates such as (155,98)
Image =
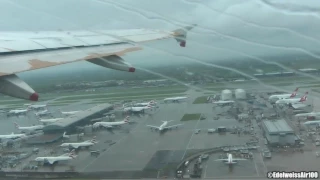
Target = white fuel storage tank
(226,95)
(240,94)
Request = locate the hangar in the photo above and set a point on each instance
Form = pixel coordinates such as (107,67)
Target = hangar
(81,118)
(278,132)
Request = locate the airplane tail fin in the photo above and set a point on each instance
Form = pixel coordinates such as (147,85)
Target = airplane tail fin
(16,125)
(294,93)
(181,34)
(127,119)
(94,140)
(304,98)
(72,154)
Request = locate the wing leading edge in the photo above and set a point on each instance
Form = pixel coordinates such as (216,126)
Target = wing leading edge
(26,51)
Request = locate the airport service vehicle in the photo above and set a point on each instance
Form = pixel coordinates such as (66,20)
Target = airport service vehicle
(284,96)
(81,144)
(12,136)
(175,99)
(28,128)
(293,100)
(26,51)
(164,126)
(111,124)
(53,159)
(230,160)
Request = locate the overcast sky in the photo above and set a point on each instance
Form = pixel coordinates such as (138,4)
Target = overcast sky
(227,29)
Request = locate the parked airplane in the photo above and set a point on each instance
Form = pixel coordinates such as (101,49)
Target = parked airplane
(151,103)
(81,144)
(230,160)
(28,128)
(137,109)
(312,123)
(51,160)
(164,126)
(68,112)
(18,112)
(43,113)
(50,120)
(12,136)
(175,99)
(111,124)
(284,96)
(293,100)
(223,102)
(311,114)
(26,51)
(36,106)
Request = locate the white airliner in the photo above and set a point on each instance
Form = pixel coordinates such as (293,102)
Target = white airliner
(50,120)
(42,113)
(284,96)
(164,126)
(137,109)
(223,102)
(111,124)
(311,114)
(175,99)
(51,160)
(12,136)
(312,123)
(87,143)
(26,51)
(36,106)
(293,100)
(230,160)
(29,128)
(151,103)
(18,112)
(68,112)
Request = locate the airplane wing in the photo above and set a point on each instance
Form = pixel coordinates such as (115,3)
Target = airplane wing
(221,160)
(237,159)
(298,105)
(153,126)
(26,51)
(168,127)
(106,126)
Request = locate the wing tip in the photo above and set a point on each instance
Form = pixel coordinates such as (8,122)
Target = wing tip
(181,34)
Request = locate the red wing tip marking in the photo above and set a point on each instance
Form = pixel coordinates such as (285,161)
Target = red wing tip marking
(34,97)
(132,69)
(183,43)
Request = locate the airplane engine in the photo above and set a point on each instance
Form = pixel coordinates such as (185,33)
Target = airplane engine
(113,62)
(12,85)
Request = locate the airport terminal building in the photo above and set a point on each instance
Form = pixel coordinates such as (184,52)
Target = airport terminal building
(278,132)
(54,131)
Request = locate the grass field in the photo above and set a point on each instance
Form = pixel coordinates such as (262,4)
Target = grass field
(191,117)
(200,100)
(119,95)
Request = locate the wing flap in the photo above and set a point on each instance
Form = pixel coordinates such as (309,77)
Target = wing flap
(153,126)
